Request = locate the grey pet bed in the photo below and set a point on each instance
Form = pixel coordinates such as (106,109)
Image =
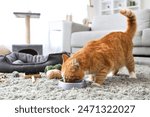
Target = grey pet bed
(28,63)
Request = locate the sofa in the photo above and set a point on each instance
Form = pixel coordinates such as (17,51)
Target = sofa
(76,35)
(28,63)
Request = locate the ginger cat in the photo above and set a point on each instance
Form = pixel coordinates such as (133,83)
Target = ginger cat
(104,55)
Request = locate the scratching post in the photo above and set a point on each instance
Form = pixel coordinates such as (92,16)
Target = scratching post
(27,16)
(27,29)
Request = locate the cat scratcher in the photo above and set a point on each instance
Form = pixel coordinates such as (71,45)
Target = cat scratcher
(27,16)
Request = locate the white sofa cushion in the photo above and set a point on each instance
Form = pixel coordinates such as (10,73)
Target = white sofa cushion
(142,51)
(137,39)
(143,19)
(78,39)
(108,22)
(146,37)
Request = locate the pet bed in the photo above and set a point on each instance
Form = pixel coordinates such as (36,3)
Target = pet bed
(28,63)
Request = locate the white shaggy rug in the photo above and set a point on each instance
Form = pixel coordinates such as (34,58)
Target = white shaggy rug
(118,87)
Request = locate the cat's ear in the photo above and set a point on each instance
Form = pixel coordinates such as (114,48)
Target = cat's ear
(65,57)
(75,64)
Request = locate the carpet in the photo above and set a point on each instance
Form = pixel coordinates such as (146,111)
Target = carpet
(119,87)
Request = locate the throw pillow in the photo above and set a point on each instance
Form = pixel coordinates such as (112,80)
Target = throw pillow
(4,50)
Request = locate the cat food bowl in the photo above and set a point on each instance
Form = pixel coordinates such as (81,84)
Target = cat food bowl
(66,85)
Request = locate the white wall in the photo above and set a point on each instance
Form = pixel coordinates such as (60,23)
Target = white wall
(12,29)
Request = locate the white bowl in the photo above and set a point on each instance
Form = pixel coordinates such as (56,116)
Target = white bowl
(66,85)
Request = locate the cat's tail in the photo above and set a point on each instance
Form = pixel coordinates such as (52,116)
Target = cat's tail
(131,21)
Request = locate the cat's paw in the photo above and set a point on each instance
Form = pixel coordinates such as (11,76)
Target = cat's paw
(90,78)
(95,84)
(132,75)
